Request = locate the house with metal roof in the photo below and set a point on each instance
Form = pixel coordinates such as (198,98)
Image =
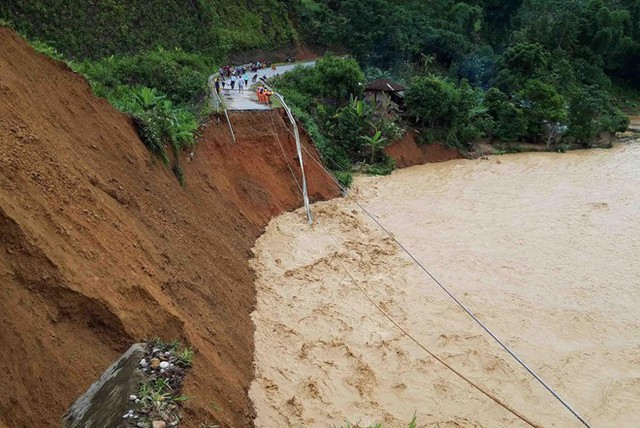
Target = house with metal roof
(381,91)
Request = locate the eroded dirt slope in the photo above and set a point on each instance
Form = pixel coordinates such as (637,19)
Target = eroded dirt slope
(407,152)
(100,246)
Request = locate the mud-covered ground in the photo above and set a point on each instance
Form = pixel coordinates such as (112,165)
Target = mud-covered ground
(543,247)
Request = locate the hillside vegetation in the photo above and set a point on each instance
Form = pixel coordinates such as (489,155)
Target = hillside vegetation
(82,30)
(540,71)
(553,73)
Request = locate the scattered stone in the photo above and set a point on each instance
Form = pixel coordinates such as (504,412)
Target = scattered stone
(155,363)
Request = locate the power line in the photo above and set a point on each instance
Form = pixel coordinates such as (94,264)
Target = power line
(459,303)
(284,155)
(424,348)
(405,332)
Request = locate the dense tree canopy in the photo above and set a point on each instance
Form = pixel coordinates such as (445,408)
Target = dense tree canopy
(546,71)
(546,67)
(604,33)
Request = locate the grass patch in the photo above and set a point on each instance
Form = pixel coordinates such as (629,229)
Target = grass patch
(412,424)
(159,396)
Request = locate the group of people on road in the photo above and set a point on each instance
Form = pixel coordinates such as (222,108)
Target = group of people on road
(227,71)
(237,76)
(241,79)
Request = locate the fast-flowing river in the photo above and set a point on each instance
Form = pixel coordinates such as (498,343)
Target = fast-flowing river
(544,248)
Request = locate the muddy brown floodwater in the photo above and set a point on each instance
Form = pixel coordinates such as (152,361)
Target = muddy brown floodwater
(545,248)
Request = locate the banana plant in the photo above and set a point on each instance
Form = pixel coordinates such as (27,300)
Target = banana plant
(148,98)
(376,142)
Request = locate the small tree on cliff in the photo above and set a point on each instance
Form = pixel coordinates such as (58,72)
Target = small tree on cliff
(376,142)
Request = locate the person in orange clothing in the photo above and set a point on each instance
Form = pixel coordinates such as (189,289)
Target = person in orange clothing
(267,96)
(260,94)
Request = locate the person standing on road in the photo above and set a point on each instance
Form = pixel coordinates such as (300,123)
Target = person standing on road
(233,81)
(267,96)
(240,85)
(260,94)
(246,79)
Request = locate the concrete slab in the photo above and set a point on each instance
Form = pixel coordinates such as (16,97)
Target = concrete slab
(103,405)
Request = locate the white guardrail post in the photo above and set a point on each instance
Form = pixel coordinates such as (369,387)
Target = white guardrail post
(215,96)
(305,195)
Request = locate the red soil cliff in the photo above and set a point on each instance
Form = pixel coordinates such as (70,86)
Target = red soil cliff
(407,152)
(101,247)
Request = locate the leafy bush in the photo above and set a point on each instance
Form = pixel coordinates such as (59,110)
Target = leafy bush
(344,178)
(390,128)
(180,75)
(161,124)
(591,114)
(339,78)
(451,113)
(385,167)
(135,86)
(348,125)
(323,98)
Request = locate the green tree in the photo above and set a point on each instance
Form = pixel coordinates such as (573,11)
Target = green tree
(448,112)
(544,109)
(376,142)
(339,78)
(509,123)
(432,101)
(520,63)
(591,114)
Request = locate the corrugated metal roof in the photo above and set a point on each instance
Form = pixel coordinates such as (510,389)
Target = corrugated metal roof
(385,85)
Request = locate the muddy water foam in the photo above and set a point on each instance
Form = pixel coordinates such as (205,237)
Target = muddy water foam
(545,248)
